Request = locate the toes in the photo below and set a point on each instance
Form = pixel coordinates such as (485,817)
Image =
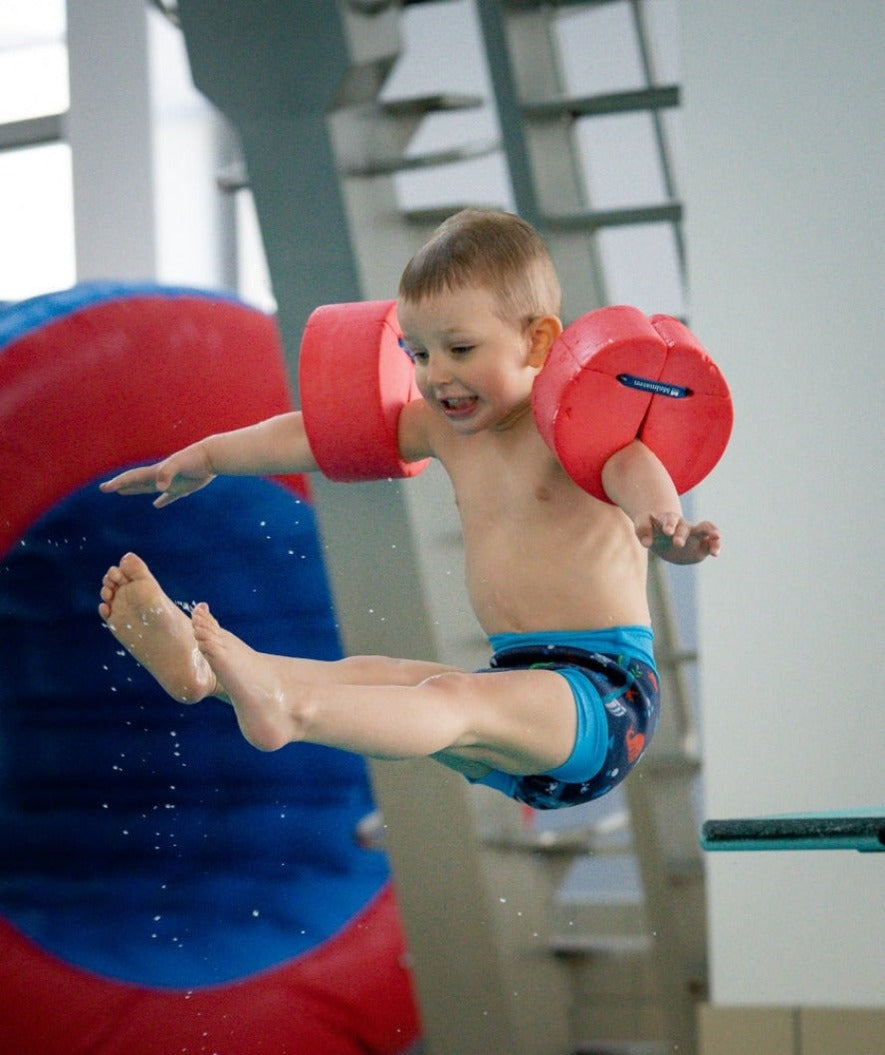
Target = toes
(113,577)
(132,567)
(203,620)
(107,596)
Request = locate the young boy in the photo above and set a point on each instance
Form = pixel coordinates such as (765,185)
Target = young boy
(557,578)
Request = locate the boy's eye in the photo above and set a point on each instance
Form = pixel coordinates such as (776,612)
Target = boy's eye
(462,349)
(409,352)
(416,357)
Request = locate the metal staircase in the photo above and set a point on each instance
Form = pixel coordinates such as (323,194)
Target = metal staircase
(504,964)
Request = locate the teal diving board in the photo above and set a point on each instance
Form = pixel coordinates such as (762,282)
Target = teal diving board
(861,829)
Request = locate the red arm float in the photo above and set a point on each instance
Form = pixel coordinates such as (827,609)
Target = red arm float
(615,375)
(354,381)
(689,435)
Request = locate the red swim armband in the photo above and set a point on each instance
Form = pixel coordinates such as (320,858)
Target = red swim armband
(354,380)
(615,375)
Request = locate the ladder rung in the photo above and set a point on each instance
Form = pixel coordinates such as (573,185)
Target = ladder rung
(529,4)
(669,660)
(659,98)
(669,765)
(434,215)
(31,131)
(686,871)
(595,219)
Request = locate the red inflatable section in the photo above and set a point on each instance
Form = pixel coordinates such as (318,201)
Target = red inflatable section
(354,380)
(615,375)
(128,380)
(308,1006)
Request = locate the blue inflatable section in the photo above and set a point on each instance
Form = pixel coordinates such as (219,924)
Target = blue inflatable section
(142,839)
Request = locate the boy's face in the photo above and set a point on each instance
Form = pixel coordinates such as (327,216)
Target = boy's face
(470,365)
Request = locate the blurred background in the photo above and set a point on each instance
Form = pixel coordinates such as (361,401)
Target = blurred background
(716,161)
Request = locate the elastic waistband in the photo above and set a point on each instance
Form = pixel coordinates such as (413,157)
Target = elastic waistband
(636,642)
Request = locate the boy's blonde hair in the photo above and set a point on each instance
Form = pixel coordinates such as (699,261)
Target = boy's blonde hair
(491,250)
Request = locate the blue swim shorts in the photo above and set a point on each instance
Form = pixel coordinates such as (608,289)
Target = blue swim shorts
(615,684)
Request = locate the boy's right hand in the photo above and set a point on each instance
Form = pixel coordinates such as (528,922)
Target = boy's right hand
(178,475)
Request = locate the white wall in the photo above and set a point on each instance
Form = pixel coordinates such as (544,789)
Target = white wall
(784,191)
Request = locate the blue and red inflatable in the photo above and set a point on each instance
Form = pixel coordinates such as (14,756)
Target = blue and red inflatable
(165,888)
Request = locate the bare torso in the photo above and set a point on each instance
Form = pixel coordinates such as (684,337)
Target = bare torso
(541,554)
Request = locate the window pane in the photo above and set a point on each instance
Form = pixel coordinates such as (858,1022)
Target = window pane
(622,166)
(33,59)
(36,218)
(254,282)
(641,267)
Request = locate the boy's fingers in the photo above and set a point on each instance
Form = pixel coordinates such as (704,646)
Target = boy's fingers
(645,531)
(114,484)
(673,527)
(132,482)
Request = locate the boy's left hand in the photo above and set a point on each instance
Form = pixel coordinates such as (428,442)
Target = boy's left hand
(675,539)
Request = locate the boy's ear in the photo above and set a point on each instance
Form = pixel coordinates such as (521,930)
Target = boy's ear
(542,333)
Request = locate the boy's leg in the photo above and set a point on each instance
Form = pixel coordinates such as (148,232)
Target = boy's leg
(159,634)
(519,721)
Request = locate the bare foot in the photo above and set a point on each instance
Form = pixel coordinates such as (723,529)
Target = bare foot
(155,631)
(251,680)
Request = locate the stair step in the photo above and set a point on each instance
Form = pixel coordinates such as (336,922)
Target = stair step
(611,836)
(621,1047)
(600,944)
(411,162)
(232,178)
(438,102)
(658,98)
(528,5)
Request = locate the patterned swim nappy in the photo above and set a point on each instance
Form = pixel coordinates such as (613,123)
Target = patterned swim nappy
(623,687)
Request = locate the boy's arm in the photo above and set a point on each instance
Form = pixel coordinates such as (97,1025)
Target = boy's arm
(635,479)
(414,428)
(275,446)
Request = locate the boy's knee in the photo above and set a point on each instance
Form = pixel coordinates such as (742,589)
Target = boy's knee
(453,695)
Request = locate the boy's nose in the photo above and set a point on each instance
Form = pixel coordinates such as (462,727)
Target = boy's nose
(438,372)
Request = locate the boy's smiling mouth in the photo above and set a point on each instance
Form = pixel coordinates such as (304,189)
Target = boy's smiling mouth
(458,406)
